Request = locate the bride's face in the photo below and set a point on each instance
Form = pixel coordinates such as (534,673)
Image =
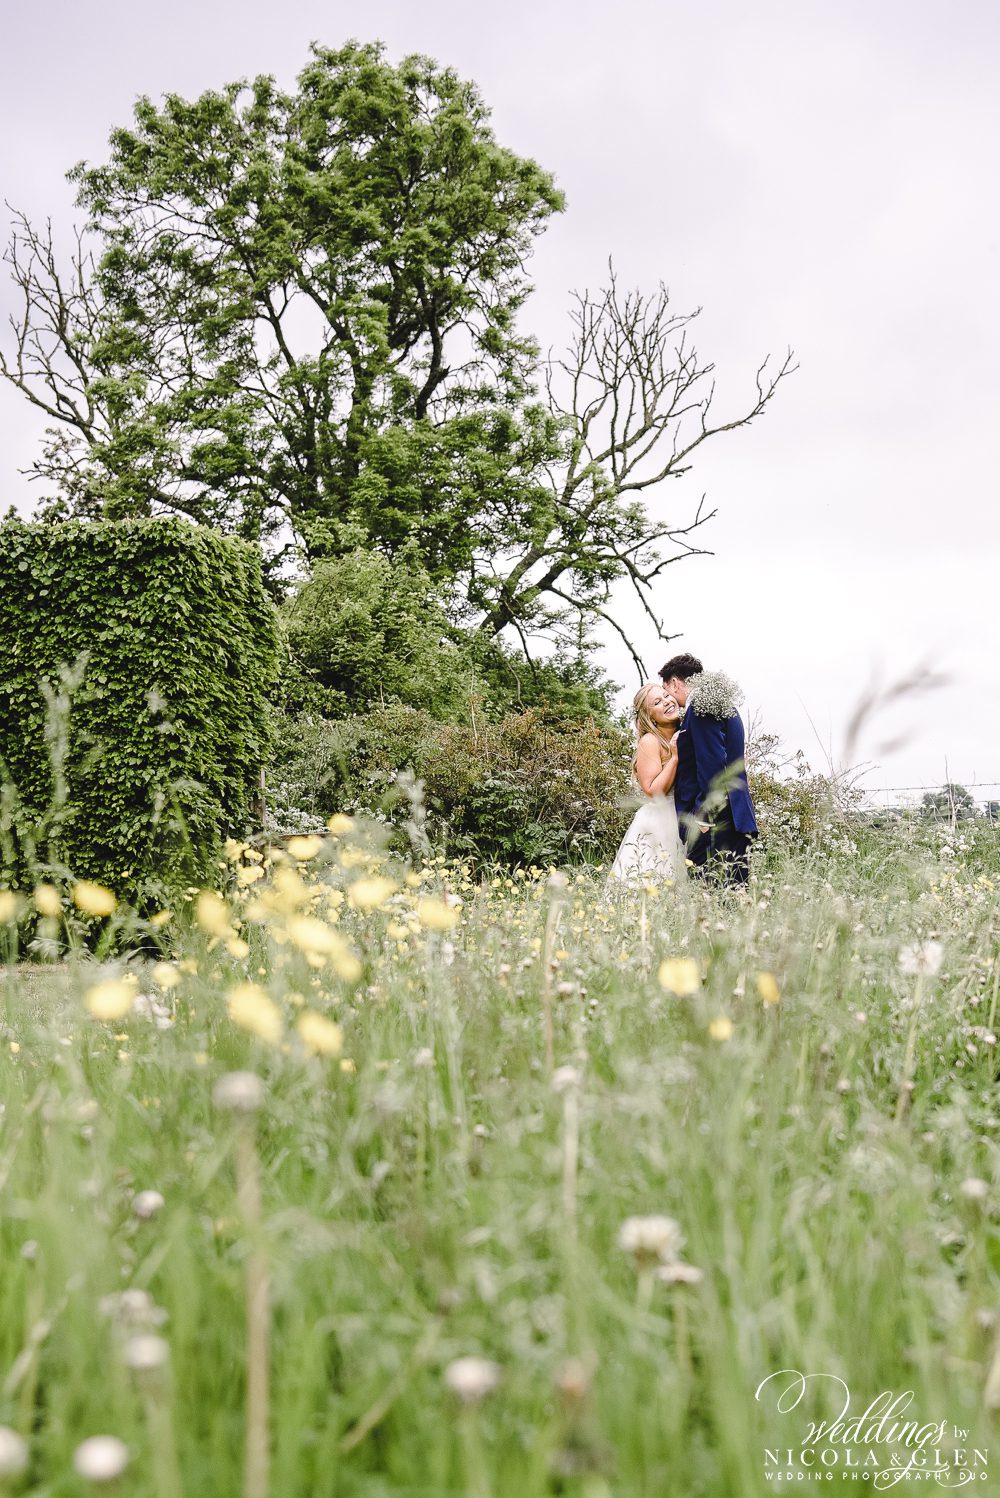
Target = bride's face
(662,708)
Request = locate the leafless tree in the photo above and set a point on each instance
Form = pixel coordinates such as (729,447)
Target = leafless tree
(635,401)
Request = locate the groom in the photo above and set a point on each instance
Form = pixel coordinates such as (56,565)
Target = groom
(710,792)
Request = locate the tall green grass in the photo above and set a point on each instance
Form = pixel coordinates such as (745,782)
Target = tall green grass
(444,1187)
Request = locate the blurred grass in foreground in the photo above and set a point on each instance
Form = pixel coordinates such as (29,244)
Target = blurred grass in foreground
(468,1087)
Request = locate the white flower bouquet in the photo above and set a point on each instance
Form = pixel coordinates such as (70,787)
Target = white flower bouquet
(713,694)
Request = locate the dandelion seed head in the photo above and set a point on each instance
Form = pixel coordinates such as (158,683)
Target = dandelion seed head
(651,1240)
(679,1274)
(13,1453)
(921,959)
(100,1458)
(573,1380)
(146,1204)
(238,1092)
(471,1379)
(146,1353)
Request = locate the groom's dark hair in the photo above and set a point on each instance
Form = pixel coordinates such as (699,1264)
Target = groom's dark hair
(684,666)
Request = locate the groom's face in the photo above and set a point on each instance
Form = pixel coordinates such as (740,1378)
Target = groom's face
(677,689)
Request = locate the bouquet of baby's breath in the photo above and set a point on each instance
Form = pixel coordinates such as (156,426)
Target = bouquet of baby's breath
(713,694)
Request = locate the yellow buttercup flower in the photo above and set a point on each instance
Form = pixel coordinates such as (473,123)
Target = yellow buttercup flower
(347,966)
(165,975)
(304,848)
(721,1027)
(339,824)
(161,918)
(212,913)
(8,906)
(47,900)
(310,934)
(249,874)
(251,1008)
(436,915)
(767,987)
(111,999)
(93,899)
(680,976)
(320,1034)
(369,894)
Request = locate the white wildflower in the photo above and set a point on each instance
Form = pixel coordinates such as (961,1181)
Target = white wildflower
(565,1077)
(975,1189)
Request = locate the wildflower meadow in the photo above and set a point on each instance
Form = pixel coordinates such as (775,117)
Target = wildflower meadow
(369,1176)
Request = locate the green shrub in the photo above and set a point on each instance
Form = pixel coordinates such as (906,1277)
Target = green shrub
(365,628)
(519,790)
(795,806)
(134,661)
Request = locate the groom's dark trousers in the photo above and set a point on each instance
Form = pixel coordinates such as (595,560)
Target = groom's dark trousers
(711,750)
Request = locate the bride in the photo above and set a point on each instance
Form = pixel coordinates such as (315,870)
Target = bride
(652,844)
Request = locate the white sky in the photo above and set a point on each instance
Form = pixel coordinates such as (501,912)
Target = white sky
(813,174)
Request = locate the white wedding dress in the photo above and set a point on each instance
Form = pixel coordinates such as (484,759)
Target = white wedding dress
(651,848)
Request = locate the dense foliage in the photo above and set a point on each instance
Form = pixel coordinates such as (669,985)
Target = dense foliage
(516,789)
(304,310)
(135,658)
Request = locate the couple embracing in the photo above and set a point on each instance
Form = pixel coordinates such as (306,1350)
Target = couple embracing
(689,767)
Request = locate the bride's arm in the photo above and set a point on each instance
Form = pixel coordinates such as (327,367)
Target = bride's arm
(654,777)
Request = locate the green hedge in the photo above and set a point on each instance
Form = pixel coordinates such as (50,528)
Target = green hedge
(132,777)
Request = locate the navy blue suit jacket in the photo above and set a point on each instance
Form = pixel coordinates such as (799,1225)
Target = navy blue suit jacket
(705,748)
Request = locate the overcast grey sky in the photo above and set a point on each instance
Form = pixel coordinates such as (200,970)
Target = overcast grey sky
(815,174)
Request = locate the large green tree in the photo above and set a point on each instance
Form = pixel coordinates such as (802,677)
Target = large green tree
(302,309)
(295,316)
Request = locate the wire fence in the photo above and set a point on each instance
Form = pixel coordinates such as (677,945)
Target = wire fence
(989,805)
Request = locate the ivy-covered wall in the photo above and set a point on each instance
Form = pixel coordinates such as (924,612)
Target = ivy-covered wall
(158,754)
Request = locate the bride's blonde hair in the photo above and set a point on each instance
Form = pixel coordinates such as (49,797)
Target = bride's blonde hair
(643,722)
